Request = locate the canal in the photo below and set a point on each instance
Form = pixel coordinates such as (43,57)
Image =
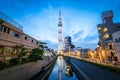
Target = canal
(62,71)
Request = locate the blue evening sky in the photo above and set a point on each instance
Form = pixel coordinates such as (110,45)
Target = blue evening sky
(39,18)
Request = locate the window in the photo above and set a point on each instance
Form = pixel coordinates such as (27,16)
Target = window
(1,50)
(8,31)
(106,35)
(8,50)
(16,35)
(1,27)
(99,28)
(26,38)
(105,29)
(33,41)
(5,29)
(36,42)
(117,40)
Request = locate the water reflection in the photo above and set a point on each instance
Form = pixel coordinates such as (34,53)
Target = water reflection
(62,71)
(68,70)
(60,60)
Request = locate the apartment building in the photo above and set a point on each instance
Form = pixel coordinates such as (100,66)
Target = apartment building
(105,31)
(116,39)
(11,35)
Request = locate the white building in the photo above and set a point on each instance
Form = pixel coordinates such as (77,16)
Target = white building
(116,39)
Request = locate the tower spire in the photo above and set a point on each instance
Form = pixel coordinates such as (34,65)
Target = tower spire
(60,13)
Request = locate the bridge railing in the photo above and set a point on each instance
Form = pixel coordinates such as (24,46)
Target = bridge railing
(10,21)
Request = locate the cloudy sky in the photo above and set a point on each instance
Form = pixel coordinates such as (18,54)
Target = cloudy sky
(39,18)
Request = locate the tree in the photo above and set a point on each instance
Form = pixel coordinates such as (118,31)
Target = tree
(21,51)
(36,54)
(1,21)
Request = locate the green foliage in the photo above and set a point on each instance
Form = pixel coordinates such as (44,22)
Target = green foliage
(21,51)
(2,65)
(36,54)
(14,61)
(1,21)
(24,60)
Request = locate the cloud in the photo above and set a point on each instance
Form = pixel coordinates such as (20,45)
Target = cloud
(43,25)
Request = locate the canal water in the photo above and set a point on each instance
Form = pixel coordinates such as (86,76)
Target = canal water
(62,71)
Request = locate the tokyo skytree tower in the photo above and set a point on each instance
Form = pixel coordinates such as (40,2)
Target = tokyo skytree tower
(60,34)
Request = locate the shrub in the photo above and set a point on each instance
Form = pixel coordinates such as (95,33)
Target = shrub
(14,61)
(24,60)
(2,65)
(36,54)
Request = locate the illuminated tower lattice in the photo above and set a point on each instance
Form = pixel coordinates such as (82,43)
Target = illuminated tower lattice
(60,34)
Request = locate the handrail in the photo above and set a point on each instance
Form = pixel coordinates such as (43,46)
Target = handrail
(10,21)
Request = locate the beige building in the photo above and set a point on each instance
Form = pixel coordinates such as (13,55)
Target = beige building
(116,39)
(12,35)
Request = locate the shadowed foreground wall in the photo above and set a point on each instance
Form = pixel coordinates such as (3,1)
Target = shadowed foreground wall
(24,71)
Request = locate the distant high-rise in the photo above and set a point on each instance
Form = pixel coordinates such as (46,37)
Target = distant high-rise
(67,42)
(60,33)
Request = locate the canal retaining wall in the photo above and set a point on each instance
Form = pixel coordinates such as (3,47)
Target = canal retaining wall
(24,71)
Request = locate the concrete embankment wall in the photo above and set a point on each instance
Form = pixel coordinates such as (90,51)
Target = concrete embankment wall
(24,71)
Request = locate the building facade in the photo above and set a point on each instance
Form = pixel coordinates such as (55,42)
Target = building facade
(67,43)
(116,39)
(105,31)
(10,36)
(83,53)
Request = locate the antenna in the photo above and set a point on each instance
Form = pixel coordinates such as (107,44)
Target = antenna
(60,12)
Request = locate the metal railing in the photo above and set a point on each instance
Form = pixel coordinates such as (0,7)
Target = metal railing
(10,21)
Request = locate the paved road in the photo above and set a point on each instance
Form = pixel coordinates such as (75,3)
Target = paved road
(94,72)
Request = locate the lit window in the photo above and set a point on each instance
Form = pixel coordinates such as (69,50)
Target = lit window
(106,35)
(99,28)
(105,29)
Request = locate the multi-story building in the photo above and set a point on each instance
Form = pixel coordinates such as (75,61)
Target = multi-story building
(11,34)
(105,31)
(67,42)
(84,53)
(116,39)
